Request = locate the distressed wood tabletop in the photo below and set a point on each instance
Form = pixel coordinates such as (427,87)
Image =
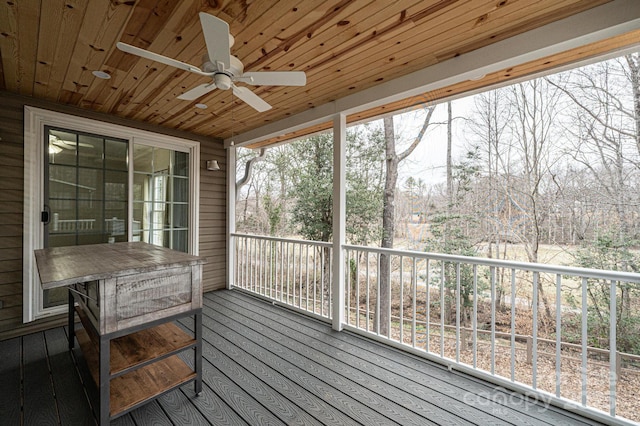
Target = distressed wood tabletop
(61,266)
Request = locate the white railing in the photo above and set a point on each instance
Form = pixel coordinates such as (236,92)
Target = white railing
(293,272)
(464,312)
(524,326)
(72,225)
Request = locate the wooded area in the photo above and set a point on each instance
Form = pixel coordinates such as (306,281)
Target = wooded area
(550,161)
(554,160)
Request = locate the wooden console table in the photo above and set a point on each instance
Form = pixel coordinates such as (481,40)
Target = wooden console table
(128,296)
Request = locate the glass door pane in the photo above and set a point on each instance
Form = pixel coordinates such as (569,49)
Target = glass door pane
(161,197)
(86,187)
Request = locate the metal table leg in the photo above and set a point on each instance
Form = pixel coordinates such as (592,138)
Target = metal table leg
(198,353)
(72,329)
(105,372)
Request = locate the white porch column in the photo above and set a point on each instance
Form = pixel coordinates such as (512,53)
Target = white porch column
(231,214)
(339,218)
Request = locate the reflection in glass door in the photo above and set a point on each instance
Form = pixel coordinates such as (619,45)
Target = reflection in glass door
(86,193)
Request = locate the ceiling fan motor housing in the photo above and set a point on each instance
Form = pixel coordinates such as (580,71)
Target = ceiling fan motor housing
(223,79)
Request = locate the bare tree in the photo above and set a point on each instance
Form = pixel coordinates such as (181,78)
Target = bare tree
(535,105)
(606,135)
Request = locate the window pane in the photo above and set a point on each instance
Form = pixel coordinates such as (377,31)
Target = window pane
(181,164)
(143,158)
(62,147)
(117,209)
(56,296)
(116,155)
(115,186)
(63,240)
(166,239)
(82,190)
(161,158)
(181,240)
(180,215)
(90,185)
(180,189)
(63,217)
(90,151)
(90,217)
(62,181)
(141,187)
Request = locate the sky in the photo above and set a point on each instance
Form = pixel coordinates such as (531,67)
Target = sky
(428,161)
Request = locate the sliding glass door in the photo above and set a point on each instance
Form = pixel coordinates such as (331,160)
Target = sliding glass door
(86,193)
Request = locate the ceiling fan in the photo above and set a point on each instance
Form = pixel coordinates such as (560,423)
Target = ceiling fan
(223,68)
(65,144)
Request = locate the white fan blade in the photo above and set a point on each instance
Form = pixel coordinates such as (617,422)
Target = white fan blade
(253,100)
(61,144)
(216,37)
(159,58)
(275,78)
(197,91)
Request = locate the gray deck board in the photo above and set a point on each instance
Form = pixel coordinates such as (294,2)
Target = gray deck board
(10,366)
(332,372)
(216,411)
(39,398)
(151,414)
(382,382)
(266,365)
(286,409)
(73,407)
(461,387)
(312,403)
(180,410)
(287,382)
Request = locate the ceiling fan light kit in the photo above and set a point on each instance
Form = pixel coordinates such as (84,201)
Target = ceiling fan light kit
(223,68)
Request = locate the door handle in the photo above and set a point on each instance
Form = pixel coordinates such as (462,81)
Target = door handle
(45,215)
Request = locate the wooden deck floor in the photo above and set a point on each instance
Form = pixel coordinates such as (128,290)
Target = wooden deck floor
(267,365)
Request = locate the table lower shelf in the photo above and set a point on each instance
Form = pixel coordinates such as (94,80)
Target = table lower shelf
(140,385)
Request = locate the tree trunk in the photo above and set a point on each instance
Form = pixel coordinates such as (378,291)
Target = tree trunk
(450,298)
(449,159)
(388,223)
(392,159)
(634,67)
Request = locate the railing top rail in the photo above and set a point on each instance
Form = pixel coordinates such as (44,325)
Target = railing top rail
(285,240)
(535,267)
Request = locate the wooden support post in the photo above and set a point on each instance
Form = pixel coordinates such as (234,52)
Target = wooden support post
(339,219)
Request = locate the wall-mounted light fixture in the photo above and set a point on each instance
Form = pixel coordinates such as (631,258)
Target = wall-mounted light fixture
(212,165)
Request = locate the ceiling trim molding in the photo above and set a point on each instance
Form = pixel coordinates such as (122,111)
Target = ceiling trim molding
(602,22)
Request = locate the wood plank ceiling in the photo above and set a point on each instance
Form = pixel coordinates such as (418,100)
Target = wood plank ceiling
(49,49)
